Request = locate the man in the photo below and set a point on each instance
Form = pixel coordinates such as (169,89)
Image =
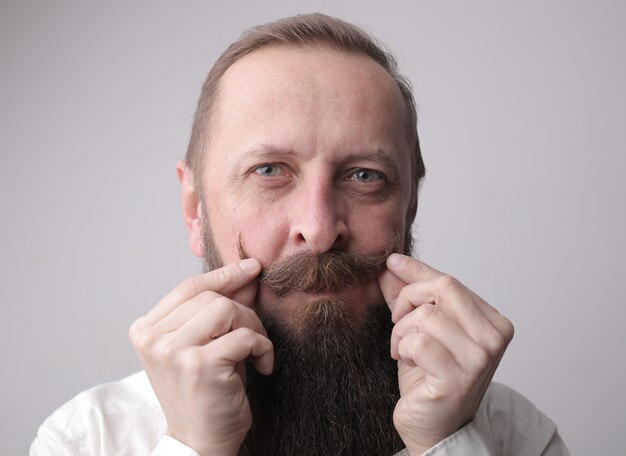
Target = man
(312,332)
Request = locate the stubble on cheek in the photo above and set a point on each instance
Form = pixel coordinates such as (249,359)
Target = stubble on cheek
(211,257)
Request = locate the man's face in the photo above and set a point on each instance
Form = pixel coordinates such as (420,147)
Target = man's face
(308,152)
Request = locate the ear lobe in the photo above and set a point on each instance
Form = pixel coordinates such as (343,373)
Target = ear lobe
(192,208)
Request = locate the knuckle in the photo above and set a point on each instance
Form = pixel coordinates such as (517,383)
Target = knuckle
(245,335)
(144,344)
(481,361)
(427,312)
(165,351)
(208,295)
(421,342)
(419,268)
(222,305)
(447,282)
(508,330)
(438,395)
(495,345)
(189,285)
(143,339)
(190,361)
(134,330)
(404,294)
(406,297)
(220,275)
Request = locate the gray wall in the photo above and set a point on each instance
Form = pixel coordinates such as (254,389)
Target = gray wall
(521,110)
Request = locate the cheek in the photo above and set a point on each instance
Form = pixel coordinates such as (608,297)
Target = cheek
(373,229)
(263,233)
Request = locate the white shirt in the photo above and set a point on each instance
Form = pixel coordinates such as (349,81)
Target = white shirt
(124,418)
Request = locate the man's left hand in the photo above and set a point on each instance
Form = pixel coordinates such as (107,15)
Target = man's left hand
(448,343)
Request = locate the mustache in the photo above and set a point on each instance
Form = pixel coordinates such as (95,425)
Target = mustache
(310,272)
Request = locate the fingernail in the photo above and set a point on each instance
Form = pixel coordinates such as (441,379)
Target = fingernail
(249,264)
(396,260)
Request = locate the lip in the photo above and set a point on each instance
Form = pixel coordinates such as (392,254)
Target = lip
(323,294)
(343,294)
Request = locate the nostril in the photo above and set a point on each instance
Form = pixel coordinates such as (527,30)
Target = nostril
(340,240)
(317,222)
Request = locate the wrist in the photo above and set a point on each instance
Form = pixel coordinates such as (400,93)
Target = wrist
(417,445)
(416,449)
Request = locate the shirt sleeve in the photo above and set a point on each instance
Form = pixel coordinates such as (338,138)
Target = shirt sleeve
(506,423)
(470,440)
(473,439)
(556,447)
(467,442)
(49,441)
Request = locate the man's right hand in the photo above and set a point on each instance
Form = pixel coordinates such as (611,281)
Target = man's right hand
(194,345)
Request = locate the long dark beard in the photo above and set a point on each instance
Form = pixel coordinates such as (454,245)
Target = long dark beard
(334,386)
(333,389)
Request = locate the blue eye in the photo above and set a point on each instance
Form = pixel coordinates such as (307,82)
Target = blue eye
(366,175)
(267,170)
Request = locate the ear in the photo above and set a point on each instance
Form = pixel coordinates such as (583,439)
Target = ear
(192,209)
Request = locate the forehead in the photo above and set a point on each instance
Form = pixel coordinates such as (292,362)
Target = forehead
(310,100)
(311,66)
(316,79)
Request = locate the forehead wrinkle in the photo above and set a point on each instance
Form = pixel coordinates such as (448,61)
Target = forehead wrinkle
(263,150)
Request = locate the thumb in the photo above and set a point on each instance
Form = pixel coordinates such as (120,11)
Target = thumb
(246,294)
(409,269)
(390,285)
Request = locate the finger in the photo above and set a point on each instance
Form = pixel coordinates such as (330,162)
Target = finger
(409,269)
(220,307)
(391,286)
(484,324)
(478,319)
(404,269)
(224,280)
(220,317)
(246,294)
(454,298)
(239,345)
(433,321)
(411,297)
(422,350)
(500,322)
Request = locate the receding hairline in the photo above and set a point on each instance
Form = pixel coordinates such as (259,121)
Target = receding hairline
(390,82)
(312,30)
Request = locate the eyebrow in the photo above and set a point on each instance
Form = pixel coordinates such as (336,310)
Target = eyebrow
(266,150)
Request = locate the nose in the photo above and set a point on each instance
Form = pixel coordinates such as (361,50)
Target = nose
(318,219)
